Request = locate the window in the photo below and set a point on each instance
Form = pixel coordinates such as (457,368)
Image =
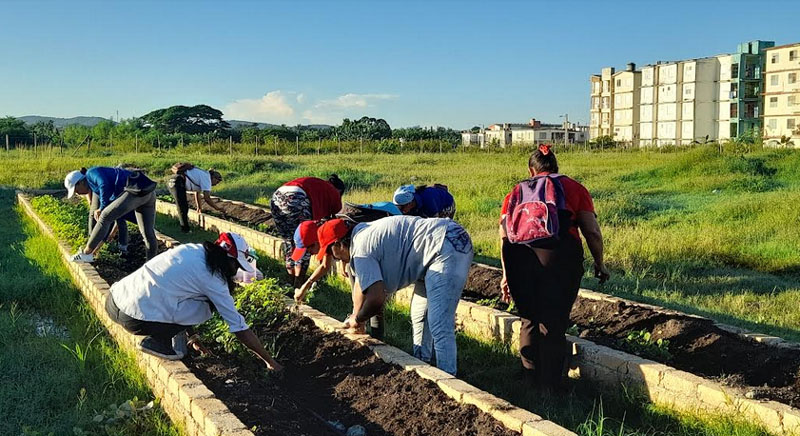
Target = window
(542,135)
(793,55)
(774,59)
(734,70)
(772,124)
(790,123)
(773,80)
(773,102)
(619,82)
(792,100)
(734,110)
(792,77)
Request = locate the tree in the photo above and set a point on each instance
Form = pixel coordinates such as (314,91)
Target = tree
(16,130)
(192,120)
(45,131)
(475,129)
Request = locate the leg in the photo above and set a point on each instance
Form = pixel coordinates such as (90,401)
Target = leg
(177,188)
(279,206)
(93,206)
(444,283)
(146,219)
(122,234)
(114,211)
(420,330)
(521,271)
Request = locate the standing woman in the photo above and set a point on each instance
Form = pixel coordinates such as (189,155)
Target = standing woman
(425,201)
(186,179)
(543,261)
(306,198)
(114,193)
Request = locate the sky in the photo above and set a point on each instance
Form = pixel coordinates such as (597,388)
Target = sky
(427,63)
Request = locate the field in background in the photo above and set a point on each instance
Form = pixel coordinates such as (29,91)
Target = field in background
(709,233)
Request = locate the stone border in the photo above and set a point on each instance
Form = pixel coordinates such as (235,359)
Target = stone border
(663,384)
(187,401)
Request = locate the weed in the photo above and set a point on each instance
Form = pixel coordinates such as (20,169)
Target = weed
(642,343)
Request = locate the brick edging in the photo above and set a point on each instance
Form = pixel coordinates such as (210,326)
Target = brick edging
(187,401)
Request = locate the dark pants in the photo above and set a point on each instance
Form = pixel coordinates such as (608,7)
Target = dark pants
(544,284)
(160,331)
(122,235)
(177,188)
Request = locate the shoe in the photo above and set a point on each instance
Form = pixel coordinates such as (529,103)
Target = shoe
(83,258)
(179,344)
(123,249)
(186,230)
(151,346)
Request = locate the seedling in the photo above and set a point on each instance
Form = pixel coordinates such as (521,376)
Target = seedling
(641,342)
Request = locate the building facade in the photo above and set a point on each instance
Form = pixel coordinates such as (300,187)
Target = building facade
(626,97)
(782,95)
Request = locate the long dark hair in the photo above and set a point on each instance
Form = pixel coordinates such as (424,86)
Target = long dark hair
(543,160)
(337,183)
(219,264)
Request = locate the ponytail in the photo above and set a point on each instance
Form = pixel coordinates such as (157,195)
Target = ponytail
(218,264)
(337,183)
(83,171)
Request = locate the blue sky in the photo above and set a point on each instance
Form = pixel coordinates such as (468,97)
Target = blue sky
(448,63)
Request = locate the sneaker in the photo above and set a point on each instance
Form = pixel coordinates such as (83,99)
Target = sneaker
(151,346)
(123,249)
(179,342)
(83,258)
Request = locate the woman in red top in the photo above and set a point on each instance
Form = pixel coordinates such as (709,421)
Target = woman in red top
(306,198)
(544,282)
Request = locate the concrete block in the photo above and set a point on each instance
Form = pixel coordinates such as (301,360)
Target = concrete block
(188,394)
(766,412)
(544,428)
(481,314)
(432,373)
(398,357)
(456,388)
(202,407)
(713,396)
(463,311)
(218,424)
(681,382)
(791,420)
(515,418)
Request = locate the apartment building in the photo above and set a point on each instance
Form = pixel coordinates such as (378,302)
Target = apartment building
(740,90)
(532,132)
(596,82)
(782,95)
(648,110)
(627,86)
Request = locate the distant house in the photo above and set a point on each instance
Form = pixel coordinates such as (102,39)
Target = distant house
(532,132)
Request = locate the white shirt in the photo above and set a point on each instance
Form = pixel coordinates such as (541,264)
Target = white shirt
(175,287)
(198,180)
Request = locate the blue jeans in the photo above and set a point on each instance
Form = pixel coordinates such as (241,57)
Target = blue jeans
(434,314)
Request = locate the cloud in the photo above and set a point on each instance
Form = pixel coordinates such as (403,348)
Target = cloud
(351,100)
(301,98)
(265,109)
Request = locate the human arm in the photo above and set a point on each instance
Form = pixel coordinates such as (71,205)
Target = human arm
(198,201)
(587,222)
(505,295)
(211,202)
(250,340)
(374,298)
(300,293)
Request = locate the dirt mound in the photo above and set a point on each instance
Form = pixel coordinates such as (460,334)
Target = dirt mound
(113,268)
(239,213)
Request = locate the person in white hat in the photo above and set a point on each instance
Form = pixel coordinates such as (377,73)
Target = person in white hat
(179,289)
(425,201)
(113,194)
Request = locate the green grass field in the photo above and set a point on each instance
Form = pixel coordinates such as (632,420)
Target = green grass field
(708,233)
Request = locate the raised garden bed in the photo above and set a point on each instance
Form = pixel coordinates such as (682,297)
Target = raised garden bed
(328,379)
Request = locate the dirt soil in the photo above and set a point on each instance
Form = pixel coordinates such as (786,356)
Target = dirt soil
(336,379)
(327,378)
(249,216)
(695,345)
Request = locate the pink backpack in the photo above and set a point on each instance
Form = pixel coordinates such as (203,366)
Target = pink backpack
(532,215)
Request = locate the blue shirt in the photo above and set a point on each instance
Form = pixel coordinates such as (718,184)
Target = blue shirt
(107,183)
(431,201)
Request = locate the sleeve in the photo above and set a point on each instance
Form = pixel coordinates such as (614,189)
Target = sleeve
(504,207)
(105,189)
(583,199)
(205,181)
(367,271)
(223,301)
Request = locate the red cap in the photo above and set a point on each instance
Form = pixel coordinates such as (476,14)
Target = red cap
(237,248)
(304,236)
(329,233)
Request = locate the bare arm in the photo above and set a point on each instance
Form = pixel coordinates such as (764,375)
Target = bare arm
(587,222)
(318,273)
(198,201)
(505,293)
(211,202)
(373,300)
(250,340)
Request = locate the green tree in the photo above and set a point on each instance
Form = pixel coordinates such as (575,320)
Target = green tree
(75,134)
(200,119)
(45,131)
(16,130)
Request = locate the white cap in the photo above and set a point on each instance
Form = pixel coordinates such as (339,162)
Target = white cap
(236,247)
(71,180)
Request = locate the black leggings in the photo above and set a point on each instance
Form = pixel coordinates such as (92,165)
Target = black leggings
(544,284)
(177,188)
(160,331)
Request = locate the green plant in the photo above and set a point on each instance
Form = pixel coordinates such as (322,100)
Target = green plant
(641,342)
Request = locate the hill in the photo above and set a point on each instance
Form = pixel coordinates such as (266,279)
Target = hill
(61,122)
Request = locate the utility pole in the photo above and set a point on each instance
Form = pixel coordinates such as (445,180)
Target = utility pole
(7,149)
(566,130)
(230,145)
(136,142)
(297,144)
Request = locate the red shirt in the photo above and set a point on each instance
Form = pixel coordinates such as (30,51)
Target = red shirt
(325,198)
(577,199)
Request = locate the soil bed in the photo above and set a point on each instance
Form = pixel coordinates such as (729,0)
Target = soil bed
(695,345)
(113,268)
(327,378)
(256,218)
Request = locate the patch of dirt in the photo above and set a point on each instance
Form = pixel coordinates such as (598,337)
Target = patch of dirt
(114,267)
(695,345)
(245,215)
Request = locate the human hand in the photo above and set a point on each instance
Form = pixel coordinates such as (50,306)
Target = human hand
(354,326)
(273,365)
(601,272)
(97,213)
(300,294)
(196,345)
(506,294)
(542,329)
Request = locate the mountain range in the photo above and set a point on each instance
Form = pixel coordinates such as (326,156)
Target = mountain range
(91,121)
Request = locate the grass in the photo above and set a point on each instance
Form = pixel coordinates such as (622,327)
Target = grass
(698,231)
(60,373)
